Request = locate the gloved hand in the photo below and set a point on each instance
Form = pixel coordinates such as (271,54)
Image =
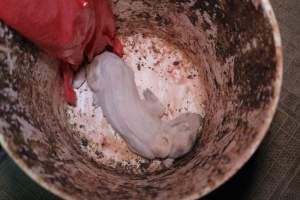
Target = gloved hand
(70,30)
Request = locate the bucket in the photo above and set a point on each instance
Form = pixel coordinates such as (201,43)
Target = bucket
(221,59)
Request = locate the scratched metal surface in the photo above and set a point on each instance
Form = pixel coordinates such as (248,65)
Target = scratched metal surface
(272,173)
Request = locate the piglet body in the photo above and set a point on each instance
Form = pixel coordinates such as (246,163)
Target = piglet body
(138,121)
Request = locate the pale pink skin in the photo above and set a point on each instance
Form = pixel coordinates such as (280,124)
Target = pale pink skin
(137,121)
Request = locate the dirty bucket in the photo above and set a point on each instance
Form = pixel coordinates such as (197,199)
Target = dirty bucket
(221,59)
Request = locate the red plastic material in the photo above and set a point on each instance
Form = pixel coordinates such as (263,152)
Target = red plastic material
(71,30)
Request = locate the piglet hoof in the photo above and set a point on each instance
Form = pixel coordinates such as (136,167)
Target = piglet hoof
(168,162)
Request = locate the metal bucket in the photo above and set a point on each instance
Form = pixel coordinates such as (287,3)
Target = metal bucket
(222,59)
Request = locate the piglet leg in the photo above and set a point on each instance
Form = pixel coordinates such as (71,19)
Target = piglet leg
(152,104)
(168,162)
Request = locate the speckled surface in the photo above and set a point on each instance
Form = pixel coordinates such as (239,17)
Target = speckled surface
(219,42)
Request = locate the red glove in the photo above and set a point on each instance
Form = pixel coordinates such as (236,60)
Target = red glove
(67,29)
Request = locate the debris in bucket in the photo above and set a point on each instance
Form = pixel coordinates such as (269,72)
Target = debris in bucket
(138,121)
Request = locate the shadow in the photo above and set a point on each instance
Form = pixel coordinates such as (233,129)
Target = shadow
(15,184)
(239,186)
(2,154)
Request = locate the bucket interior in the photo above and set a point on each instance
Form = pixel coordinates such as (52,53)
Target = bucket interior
(215,58)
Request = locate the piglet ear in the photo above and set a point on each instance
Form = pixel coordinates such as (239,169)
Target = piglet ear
(181,126)
(186,122)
